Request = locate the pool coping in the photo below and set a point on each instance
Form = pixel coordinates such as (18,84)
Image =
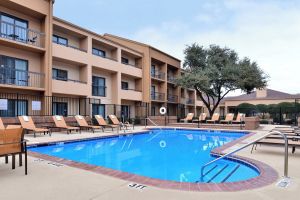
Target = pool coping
(267,174)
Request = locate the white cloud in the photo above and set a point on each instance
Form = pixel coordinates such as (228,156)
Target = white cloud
(265,31)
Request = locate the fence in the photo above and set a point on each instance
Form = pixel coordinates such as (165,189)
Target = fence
(15,104)
(272,114)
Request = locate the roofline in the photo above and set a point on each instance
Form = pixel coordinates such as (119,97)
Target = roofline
(142,44)
(259,99)
(94,33)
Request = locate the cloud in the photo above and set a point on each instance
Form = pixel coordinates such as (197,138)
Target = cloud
(267,32)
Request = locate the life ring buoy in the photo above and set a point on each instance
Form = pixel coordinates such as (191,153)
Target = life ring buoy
(162,110)
(162,144)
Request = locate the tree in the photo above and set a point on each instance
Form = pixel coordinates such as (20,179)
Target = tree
(216,71)
(246,108)
(263,109)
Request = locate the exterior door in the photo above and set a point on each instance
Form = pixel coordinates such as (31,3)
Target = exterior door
(125,113)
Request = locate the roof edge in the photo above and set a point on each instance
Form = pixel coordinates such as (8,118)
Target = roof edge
(140,43)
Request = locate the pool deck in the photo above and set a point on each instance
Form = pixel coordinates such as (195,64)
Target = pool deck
(50,180)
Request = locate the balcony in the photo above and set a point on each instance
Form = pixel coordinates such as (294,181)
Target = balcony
(21,78)
(69,86)
(190,101)
(70,46)
(171,79)
(131,94)
(157,96)
(22,35)
(158,75)
(172,98)
(105,56)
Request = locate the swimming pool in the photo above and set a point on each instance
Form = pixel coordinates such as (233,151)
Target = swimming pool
(168,154)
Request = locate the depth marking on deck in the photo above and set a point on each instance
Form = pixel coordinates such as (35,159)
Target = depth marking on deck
(137,186)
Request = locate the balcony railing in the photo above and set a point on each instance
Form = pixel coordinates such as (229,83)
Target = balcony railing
(69,80)
(10,76)
(171,79)
(131,89)
(133,65)
(172,98)
(21,34)
(190,101)
(70,46)
(157,96)
(158,75)
(106,57)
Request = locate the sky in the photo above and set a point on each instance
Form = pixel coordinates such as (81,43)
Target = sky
(266,31)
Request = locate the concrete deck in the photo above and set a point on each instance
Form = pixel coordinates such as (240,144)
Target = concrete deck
(47,180)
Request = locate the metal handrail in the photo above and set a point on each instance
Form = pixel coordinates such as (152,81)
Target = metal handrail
(147,118)
(246,145)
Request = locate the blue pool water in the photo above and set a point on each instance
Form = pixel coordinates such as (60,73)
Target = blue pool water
(175,155)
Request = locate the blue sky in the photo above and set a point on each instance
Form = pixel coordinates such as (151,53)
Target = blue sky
(266,31)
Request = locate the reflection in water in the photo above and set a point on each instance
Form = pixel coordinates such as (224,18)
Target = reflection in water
(162,144)
(79,147)
(56,150)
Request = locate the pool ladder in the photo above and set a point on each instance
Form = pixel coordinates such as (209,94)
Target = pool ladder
(238,149)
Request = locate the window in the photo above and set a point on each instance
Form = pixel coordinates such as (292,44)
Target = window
(153,92)
(152,70)
(124,85)
(98,109)
(59,40)
(99,52)
(98,86)
(124,60)
(60,108)
(13,27)
(59,74)
(13,71)
(15,108)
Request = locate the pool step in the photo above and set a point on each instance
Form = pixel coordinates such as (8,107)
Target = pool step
(219,172)
(230,174)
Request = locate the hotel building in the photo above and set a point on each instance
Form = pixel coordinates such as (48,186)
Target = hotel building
(49,66)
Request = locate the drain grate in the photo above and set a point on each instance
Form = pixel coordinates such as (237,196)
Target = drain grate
(284,183)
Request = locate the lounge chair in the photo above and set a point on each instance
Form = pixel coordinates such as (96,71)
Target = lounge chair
(240,118)
(103,123)
(202,118)
(61,123)
(83,124)
(12,143)
(293,142)
(115,121)
(28,124)
(189,117)
(1,124)
(228,119)
(214,119)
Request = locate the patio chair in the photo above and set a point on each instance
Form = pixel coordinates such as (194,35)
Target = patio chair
(103,123)
(189,117)
(61,123)
(12,144)
(1,124)
(202,118)
(214,119)
(28,124)
(83,124)
(240,118)
(228,119)
(115,121)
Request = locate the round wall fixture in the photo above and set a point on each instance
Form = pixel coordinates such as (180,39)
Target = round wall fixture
(162,110)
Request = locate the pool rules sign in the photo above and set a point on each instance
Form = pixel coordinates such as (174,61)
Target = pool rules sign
(3,104)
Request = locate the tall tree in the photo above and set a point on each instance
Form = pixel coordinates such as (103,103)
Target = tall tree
(214,72)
